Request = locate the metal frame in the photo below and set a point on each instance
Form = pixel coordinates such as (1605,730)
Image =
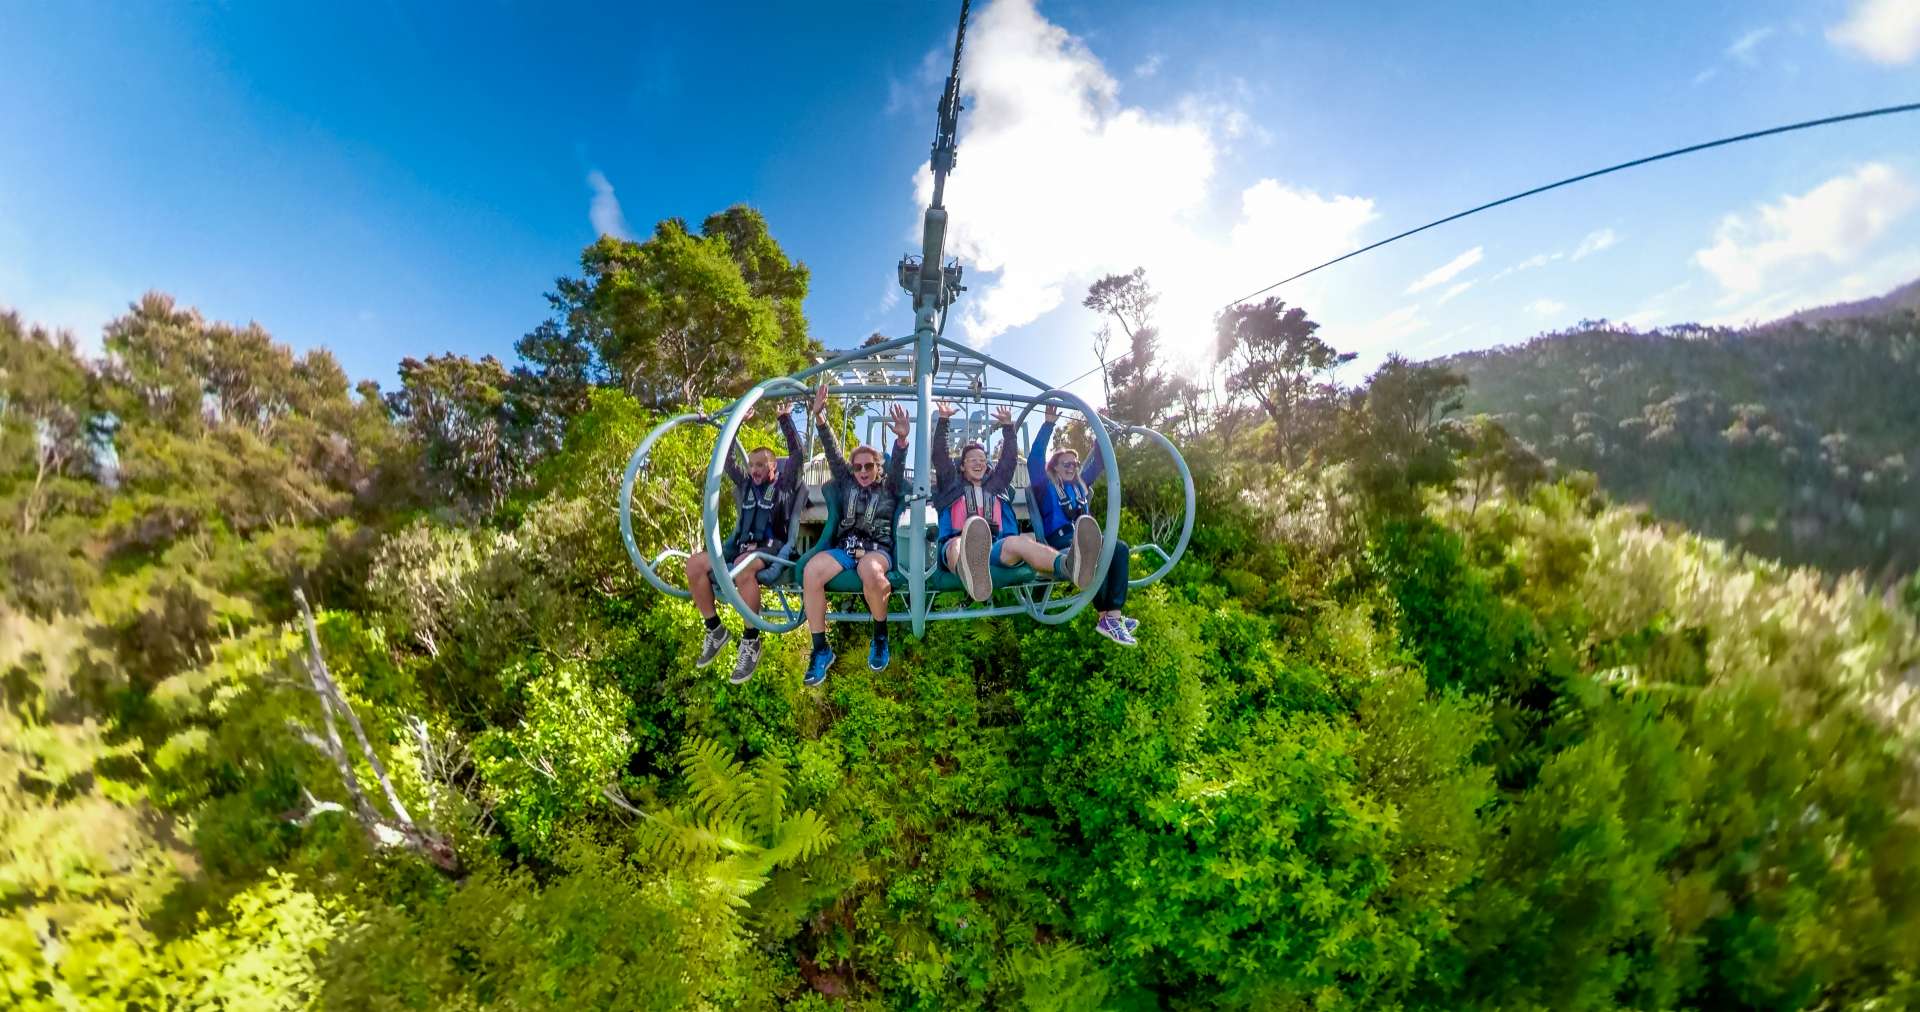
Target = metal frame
(934,284)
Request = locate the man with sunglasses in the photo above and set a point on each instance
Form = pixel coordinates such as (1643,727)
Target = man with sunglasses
(863,540)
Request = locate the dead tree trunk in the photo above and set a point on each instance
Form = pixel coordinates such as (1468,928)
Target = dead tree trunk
(399,830)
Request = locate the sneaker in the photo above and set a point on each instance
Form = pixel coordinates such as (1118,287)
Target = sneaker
(748,660)
(878,654)
(1086,551)
(976,550)
(817,666)
(1130,623)
(1115,630)
(715,642)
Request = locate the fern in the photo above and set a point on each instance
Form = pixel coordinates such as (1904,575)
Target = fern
(734,830)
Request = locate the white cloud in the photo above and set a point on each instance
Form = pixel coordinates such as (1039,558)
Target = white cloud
(1455,290)
(1531,263)
(1594,243)
(1545,307)
(1446,272)
(1059,182)
(1706,75)
(1833,222)
(1885,273)
(1743,47)
(1884,31)
(604,212)
(1149,66)
(1382,334)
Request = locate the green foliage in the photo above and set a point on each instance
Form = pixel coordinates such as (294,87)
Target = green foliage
(598,935)
(734,829)
(1408,727)
(1793,441)
(570,742)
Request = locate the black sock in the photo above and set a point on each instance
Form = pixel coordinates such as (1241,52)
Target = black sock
(880,629)
(713,621)
(820,643)
(752,633)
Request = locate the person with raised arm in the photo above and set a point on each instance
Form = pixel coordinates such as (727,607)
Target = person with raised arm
(765,492)
(977,527)
(869,501)
(1062,496)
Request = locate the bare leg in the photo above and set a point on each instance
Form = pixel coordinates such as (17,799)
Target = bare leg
(1029,551)
(813,582)
(700,582)
(873,583)
(748,584)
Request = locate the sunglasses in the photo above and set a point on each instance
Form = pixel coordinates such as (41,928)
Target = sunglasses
(866,465)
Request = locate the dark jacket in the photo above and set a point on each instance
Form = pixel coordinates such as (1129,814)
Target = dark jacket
(766,508)
(952,496)
(866,514)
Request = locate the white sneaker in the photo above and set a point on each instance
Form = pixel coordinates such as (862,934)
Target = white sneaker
(976,549)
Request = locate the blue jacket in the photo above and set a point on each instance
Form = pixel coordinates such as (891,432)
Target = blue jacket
(1058,506)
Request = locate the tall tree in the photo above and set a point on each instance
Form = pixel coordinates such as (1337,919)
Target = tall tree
(1274,356)
(1136,390)
(670,320)
(461,416)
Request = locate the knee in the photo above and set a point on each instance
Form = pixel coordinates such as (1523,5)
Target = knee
(872,571)
(697,563)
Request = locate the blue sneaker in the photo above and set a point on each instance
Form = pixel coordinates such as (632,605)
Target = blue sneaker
(817,666)
(1130,623)
(878,654)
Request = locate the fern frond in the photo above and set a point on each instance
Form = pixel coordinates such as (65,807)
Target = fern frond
(766,799)
(799,838)
(717,781)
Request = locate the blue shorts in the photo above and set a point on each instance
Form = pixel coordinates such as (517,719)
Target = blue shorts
(847,561)
(994,556)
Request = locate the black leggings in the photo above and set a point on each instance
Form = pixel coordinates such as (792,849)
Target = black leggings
(1112,595)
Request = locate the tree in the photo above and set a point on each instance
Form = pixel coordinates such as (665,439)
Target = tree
(1136,390)
(1392,431)
(670,320)
(1274,357)
(461,414)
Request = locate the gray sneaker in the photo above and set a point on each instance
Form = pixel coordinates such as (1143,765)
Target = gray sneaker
(749,659)
(1086,551)
(715,642)
(976,549)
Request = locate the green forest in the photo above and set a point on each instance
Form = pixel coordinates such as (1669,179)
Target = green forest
(1794,440)
(322,696)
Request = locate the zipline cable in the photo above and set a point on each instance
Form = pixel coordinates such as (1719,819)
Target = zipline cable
(1676,152)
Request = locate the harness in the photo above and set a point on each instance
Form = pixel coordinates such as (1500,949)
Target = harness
(866,518)
(759,513)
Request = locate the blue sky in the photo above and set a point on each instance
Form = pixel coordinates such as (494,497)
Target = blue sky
(402,180)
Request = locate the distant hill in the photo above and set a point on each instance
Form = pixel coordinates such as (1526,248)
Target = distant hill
(1797,440)
(1906,296)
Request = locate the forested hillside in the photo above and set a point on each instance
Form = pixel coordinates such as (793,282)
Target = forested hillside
(1795,440)
(1409,727)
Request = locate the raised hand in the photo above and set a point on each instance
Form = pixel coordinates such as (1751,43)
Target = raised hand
(1053,413)
(899,422)
(946,408)
(1003,415)
(820,402)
